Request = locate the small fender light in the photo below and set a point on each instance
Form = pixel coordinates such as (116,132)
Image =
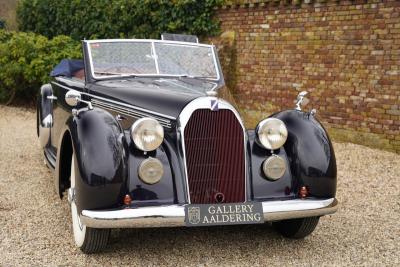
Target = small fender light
(127,199)
(303,192)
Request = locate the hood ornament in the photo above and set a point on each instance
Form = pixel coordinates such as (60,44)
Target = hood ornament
(213,100)
(214,105)
(301,100)
(211,93)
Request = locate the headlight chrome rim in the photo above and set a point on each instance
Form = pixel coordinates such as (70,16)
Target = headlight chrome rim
(150,171)
(274,167)
(271,133)
(141,132)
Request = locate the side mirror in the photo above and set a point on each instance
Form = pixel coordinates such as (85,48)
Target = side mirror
(72,98)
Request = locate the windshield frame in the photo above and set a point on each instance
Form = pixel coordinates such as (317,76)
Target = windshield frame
(217,67)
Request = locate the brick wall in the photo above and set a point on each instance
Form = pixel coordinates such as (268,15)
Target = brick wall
(345,53)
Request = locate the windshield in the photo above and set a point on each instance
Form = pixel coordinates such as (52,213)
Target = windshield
(152,58)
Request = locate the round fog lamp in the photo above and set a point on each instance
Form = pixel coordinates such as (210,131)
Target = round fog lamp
(274,167)
(150,171)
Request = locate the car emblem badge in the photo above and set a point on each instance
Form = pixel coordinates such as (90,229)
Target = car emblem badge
(214,105)
(194,215)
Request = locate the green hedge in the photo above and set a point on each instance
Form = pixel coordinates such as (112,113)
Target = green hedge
(92,19)
(26,60)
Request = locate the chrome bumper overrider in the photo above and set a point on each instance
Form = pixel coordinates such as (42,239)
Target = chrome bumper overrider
(174,215)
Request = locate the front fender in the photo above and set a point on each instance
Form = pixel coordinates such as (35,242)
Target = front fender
(310,152)
(44,115)
(100,158)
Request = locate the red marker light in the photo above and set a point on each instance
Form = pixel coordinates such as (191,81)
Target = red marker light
(303,192)
(127,199)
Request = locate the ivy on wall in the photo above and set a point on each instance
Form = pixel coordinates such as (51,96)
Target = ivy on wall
(92,19)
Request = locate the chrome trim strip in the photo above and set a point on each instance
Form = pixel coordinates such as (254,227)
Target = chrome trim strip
(197,39)
(205,103)
(152,41)
(120,103)
(44,130)
(144,40)
(174,215)
(129,112)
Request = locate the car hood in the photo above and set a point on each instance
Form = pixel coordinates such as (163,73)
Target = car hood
(165,96)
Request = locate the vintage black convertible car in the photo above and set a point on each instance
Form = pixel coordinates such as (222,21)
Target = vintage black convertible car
(137,137)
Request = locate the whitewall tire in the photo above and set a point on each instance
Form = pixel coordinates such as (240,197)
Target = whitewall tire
(89,240)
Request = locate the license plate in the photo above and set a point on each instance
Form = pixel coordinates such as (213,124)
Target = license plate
(223,214)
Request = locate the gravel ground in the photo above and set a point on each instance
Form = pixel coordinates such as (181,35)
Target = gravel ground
(36,230)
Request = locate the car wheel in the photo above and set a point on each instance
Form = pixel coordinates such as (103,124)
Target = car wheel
(89,240)
(297,228)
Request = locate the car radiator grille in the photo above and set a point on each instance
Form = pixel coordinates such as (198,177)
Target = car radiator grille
(215,157)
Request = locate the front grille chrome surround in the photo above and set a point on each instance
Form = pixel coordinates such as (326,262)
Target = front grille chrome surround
(208,103)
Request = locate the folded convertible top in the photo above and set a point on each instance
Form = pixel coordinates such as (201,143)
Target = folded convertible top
(67,67)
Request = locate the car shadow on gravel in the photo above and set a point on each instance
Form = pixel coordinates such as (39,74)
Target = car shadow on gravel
(168,241)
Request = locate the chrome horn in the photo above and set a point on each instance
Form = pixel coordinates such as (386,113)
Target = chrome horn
(301,100)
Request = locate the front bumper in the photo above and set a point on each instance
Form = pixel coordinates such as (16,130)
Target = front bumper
(174,215)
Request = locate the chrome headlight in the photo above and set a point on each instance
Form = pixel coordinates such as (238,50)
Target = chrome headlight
(147,134)
(274,167)
(151,170)
(271,133)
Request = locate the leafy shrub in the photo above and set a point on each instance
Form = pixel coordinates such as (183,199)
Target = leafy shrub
(92,19)
(26,60)
(2,23)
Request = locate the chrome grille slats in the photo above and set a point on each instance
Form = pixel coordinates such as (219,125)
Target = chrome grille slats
(215,156)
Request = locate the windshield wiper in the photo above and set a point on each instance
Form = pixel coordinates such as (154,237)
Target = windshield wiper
(196,77)
(116,75)
(127,75)
(107,73)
